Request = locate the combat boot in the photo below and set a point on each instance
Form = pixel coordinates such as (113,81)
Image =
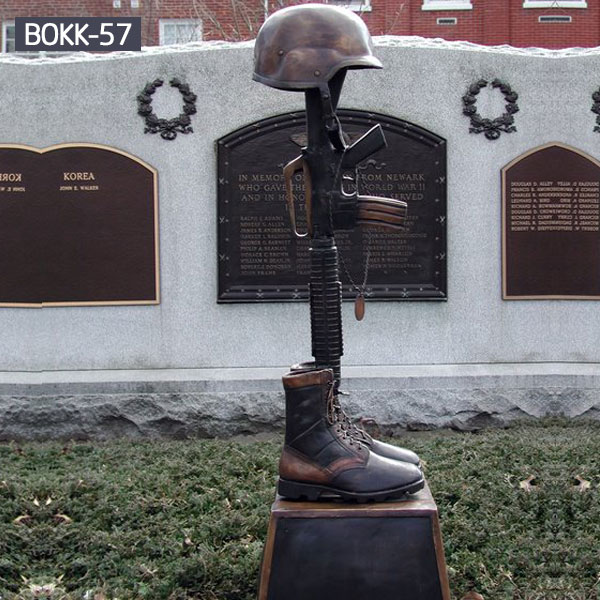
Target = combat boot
(322,458)
(381,448)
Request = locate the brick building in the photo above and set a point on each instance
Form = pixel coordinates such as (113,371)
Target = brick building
(522,23)
(544,23)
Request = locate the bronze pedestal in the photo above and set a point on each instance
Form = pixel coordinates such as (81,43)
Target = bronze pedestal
(335,550)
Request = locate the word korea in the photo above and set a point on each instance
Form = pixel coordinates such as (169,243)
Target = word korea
(68,34)
(69,176)
(11,177)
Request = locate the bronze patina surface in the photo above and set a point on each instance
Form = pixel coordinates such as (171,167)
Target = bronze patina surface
(317,434)
(78,226)
(259,257)
(551,225)
(385,550)
(305,46)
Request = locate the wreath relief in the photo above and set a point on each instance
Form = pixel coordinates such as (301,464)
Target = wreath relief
(168,128)
(491,127)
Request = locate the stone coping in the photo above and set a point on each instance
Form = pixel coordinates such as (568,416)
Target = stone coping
(372,375)
(379,41)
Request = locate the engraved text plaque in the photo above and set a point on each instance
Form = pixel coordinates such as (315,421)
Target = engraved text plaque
(550,225)
(259,258)
(78,226)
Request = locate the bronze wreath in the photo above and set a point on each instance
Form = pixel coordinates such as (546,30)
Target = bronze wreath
(490,127)
(168,128)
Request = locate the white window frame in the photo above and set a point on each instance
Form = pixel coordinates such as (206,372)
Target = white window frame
(197,23)
(554,4)
(24,53)
(355,5)
(5,26)
(447,5)
(446,21)
(555,19)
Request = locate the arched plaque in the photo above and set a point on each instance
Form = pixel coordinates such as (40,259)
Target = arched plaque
(78,226)
(259,258)
(550,225)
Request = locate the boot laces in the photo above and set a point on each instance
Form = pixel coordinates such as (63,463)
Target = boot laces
(345,422)
(331,410)
(338,418)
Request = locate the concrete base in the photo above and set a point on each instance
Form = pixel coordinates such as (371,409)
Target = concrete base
(225,402)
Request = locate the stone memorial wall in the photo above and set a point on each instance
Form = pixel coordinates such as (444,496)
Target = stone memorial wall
(205,357)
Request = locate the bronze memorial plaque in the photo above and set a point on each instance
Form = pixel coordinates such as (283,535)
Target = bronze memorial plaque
(260,259)
(550,225)
(78,226)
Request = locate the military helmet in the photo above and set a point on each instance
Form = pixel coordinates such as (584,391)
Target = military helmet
(304,46)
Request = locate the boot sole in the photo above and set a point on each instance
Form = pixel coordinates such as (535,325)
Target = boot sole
(295,490)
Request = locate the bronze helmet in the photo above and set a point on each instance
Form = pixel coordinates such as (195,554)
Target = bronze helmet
(304,46)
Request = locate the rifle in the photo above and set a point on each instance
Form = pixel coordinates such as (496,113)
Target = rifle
(329,207)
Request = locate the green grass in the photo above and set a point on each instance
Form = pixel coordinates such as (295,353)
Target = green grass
(187,519)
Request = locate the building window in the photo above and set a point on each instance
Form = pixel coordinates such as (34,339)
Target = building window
(447,21)
(8,36)
(355,5)
(446,5)
(554,4)
(555,19)
(179,31)
(8,43)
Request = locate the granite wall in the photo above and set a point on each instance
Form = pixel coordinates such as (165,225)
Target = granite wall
(190,366)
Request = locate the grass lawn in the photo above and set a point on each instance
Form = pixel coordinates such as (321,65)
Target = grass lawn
(187,519)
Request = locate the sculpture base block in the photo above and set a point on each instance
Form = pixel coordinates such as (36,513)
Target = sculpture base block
(335,551)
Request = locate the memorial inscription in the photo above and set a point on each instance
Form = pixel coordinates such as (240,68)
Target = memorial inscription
(261,260)
(551,225)
(78,226)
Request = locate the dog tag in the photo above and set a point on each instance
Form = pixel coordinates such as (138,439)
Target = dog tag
(359,307)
